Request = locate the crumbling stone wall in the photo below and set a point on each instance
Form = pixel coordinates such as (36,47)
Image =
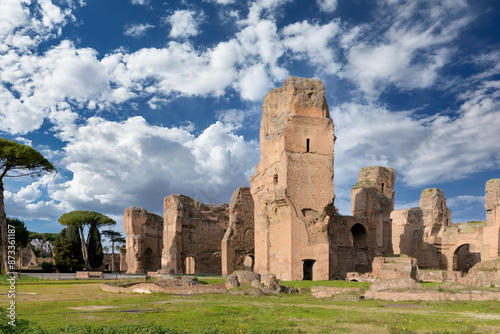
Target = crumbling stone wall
(123,260)
(491,237)
(417,232)
(238,242)
(388,268)
(426,232)
(144,242)
(192,235)
(292,186)
(358,239)
(27,258)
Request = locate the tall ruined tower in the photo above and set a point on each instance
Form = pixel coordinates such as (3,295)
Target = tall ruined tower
(492,229)
(292,186)
(372,201)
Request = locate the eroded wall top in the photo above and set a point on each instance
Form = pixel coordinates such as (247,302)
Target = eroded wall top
(434,208)
(492,202)
(492,194)
(139,221)
(297,96)
(381,178)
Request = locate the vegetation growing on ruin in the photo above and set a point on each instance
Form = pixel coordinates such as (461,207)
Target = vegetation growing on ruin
(363,183)
(475,223)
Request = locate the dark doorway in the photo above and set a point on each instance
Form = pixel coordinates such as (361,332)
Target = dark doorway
(307,268)
(361,260)
(465,257)
(308,142)
(359,236)
(149,263)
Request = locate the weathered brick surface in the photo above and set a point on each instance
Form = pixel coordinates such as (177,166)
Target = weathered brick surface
(427,234)
(192,235)
(292,186)
(144,242)
(238,242)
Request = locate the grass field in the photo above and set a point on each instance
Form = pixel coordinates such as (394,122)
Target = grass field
(52,306)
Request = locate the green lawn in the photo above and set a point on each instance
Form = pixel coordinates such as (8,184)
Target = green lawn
(50,305)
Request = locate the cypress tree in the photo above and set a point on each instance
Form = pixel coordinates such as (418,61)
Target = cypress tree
(76,247)
(96,253)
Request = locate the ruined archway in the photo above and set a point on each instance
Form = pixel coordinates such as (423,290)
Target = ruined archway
(190,265)
(248,262)
(148,260)
(307,270)
(359,237)
(465,257)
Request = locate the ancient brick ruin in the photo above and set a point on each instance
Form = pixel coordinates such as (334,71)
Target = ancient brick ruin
(427,234)
(238,243)
(293,183)
(356,240)
(144,240)
(287,224)
(192,235)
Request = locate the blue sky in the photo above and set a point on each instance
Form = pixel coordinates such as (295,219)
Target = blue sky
(134,100)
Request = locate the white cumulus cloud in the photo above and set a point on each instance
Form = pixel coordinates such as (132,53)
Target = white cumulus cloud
(311,42)
(328,6)
(184,23)
(137,30)
(405,46)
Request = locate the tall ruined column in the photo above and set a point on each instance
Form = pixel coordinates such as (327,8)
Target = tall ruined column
(237,246)
(372,198)
(173,217)
(144,241)
(491,234)
(292,186)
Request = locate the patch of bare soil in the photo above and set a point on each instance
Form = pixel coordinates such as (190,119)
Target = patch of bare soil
(403,306)
(91,308)
(480,315)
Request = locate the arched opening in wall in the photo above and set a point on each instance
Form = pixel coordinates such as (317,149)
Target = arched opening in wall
(190,265)
(149,260)
(359,236)
(307,268)
(248,262)
(360,259)
(465,257)
(308,143)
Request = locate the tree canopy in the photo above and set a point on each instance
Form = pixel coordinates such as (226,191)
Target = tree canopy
(114,237)
(17,160)
(21,160)
(22,233)
(43,242)
(81,220)
(49,237)
(85,219)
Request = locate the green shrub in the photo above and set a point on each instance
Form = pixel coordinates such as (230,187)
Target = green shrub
(47,266)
